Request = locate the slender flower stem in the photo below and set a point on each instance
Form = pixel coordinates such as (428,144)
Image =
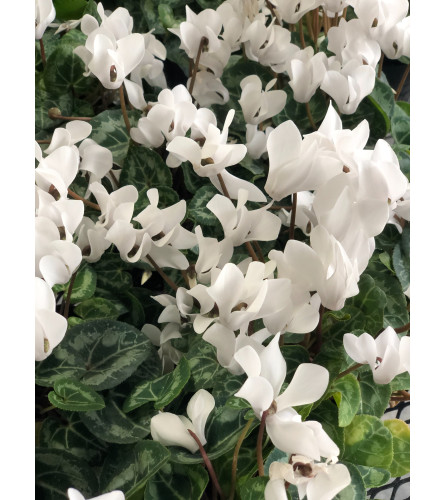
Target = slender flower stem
(316,28)
(251,250)
(279,207)
(349,370)
(53,113)
(235,457)
(402,329)
(68,295)
(318,332)
(402,83)
(169,282)
(336,19)
(226,194)
(300,25)
(345,11)
(379,72)
(42,52)
(88,203)
(309,115)
(292,216)
(203,41)
(258,249)
(123,108)
(44,141)
(259,444)
(309,25)
(325,23)
(272,10)
(223,186)
(208,464)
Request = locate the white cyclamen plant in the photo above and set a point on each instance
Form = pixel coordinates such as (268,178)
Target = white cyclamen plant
(221,249)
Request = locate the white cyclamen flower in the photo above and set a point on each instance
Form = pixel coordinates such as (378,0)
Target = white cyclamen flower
(258,105)
(315,481)
(172,430)
(113,495)
(265,376)
(45,15)
(50,327)
(387,355)
(306,72)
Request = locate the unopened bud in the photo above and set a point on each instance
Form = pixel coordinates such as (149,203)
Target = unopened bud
(54,113)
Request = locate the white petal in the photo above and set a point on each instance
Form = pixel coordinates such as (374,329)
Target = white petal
(258,392)
(169,430)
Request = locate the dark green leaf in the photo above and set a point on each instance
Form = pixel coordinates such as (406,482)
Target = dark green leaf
(371,301)
(177,482)
(84,285)
(375,397)
(69,9)
(373,477)
(112,425)
(44,101)
(101,353)
(197,209)
(294,356)
(128,468)
(346,392)
(400,127)
(58,470)
(64,70)
(401,259)
(383,96)
(203,365)
(109,131)
(253,489)
(401,382)
(70,394)
(69,434)
(368,442)
(144,169)
(162,390)
(401,442)
(96,308)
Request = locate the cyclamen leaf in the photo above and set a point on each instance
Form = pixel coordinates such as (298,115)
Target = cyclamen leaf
(373,477)
(197,209)
(401,262)
(162,390)
(70,434)
(70,394)
(72,9)
(58,470)
(96,308)
(112,425)
(368,442)
(144,169)
(129,467)
(204,367)
(64,70)
(375,397)
(400,126)
(371,301)
(383,96)
(253,488)
(401,441)
(100,353)
(177,482)
(84,285)
(109,131)
(401,382)
(346,392)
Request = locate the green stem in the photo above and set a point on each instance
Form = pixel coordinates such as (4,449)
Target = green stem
(235,457)
(123,108)
(259,444)
(402,83)
(349,370)
(68,296)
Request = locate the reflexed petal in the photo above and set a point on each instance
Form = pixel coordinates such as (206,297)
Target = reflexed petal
(404,353)
(307,386)
(388,368)
(328,482)
(361,349)
(258,392)
(169,430)
(275,490)
(198,410)
(249,361)
(273,365)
